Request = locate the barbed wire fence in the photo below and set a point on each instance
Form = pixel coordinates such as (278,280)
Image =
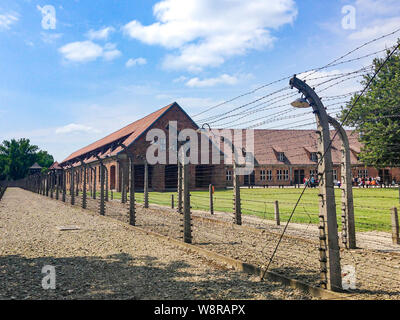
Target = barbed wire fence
(273,224)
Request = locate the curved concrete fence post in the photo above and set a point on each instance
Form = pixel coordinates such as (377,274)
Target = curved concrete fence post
(326,186)
(346,186)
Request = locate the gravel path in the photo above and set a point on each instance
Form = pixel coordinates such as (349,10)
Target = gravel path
(105,259)
(377,273)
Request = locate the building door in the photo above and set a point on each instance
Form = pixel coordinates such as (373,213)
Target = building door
(299,176)
(250,180)
(171,177)
(203,176)
(385,176)
(112,178)
(139,177)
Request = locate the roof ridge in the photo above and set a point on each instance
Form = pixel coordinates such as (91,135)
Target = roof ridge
(118,134)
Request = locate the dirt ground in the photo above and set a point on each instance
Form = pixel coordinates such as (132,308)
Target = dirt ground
(376,271)
(104,258)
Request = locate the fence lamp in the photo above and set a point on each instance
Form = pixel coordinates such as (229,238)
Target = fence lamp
(300,103)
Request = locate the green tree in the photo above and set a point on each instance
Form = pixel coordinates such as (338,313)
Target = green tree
(16,156)
(44,159)
(376,116)
(3,167)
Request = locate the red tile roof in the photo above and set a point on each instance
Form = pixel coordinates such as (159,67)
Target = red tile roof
(55,166)
(128,134)
(295,144)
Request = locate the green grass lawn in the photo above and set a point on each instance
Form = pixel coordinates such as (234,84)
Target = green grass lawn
(371,206)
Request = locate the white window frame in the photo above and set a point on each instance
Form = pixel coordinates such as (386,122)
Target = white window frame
(279,175)
(314,156)
(263,176)
(229,175)
(269,175)
(363,173)
(286,175)
(281,156)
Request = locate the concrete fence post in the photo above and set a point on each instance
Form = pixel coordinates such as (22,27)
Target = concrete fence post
(236,194)
(323,258)
(72,186)
(51,185)
(47,185)
(102,180)
(90,180)
(277,216)
(78,181)
(84,194)
(123,186)
(64,186)
(94,183)
(327,204)
(187,223)
(180,188)
(395,226)
(132,209)
(57,185)
(106,183)
(210,190)
(146,184)
(348,221)
(40,184)
(69,173)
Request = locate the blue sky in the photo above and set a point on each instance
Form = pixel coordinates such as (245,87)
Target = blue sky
(109,62)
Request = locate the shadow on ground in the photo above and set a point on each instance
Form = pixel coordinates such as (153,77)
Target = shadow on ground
(122,276)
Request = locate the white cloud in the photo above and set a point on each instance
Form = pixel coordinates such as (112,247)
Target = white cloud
(210,82)
(374,19)
(50,37)
(81,51)
(29,43)
(101,34)
(377,28)
(179,79)
(84,51)
(73,127)
(111,54)
(134,62)
(7,19)
(207,32)
(377,7)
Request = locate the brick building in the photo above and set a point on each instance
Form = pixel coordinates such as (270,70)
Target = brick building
(286,157)
(161,176)
(282,157)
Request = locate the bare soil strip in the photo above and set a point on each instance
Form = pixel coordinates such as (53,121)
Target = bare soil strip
(377,273)
(101,258)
